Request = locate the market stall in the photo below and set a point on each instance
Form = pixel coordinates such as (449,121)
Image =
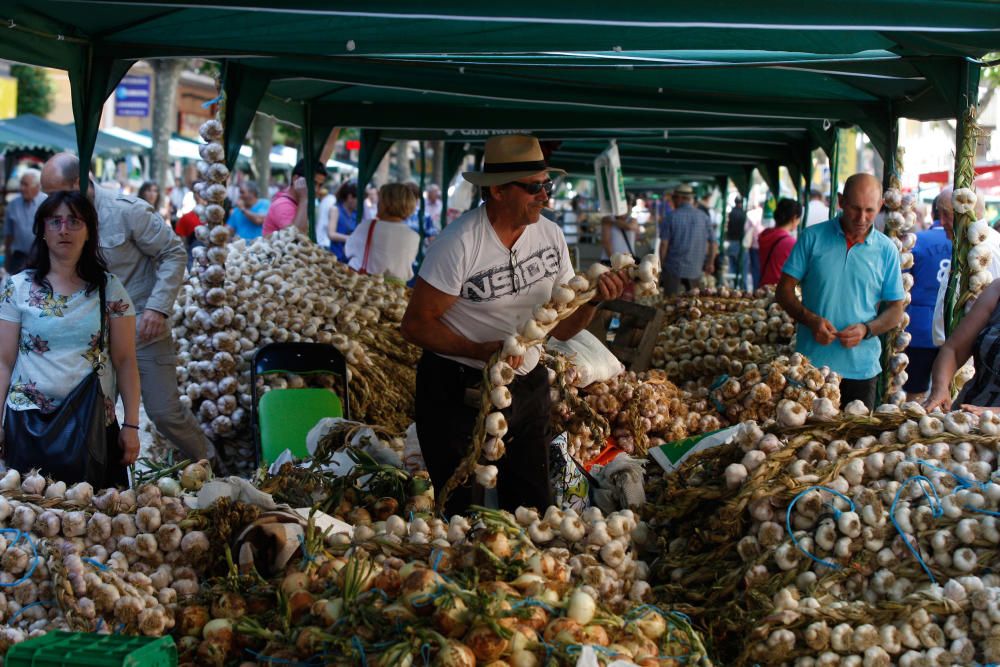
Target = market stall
(733,512)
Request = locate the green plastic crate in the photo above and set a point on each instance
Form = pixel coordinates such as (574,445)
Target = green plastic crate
(83,649)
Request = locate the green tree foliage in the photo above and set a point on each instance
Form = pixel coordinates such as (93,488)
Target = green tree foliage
(34,90)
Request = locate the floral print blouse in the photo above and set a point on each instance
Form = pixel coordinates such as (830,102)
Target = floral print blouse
(59,343)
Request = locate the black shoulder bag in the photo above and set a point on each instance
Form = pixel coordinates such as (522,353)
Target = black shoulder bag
(71,443)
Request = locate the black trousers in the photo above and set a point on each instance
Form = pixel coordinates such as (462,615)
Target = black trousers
(447,404)
(862,390)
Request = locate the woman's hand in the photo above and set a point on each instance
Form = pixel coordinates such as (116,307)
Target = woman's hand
(977,410)
(938,399)
(128,440)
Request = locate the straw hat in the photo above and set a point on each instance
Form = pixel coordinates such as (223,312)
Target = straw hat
(508,158)
(684,189)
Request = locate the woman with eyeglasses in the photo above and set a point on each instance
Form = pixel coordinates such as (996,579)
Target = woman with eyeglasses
(50,326)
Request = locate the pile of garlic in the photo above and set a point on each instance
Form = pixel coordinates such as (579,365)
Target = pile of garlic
(645,410)
(107,561)
(788,388)
(710,336)
(286,288)
(817,522)
(477,590)
(899,228)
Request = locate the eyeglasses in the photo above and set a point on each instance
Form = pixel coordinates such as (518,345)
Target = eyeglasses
(535,188)
(55,223)
(512,265)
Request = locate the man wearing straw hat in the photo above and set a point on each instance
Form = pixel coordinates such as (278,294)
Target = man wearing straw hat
(687,249)
(480,280)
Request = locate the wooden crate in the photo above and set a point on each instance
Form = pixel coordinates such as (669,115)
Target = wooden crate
(634,339)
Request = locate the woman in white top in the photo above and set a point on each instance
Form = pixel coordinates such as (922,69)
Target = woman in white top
(385,244)
(618,235)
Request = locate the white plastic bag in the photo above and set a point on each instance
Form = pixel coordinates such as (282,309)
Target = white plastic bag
(413,458)
(593,360)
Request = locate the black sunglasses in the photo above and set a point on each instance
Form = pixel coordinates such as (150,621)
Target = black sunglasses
(512,265)
(535,188)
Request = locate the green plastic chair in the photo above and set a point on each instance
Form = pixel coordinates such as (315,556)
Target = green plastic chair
(282,418)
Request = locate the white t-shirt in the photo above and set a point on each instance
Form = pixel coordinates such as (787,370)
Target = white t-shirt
(937,330)
(468,260)
(323,220)
(618,244)
(818,212)
(394,247)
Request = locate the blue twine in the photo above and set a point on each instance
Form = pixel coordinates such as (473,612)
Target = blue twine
(548,650)
(306,556)
(438,556)
(788,522)
(963,482)
(532,602)
(419,600)
(792,381)
(425,653)
(356,643)
(719,381)
(119,628)
(96,563)
(382,593)
(34,555)
(209,103)
(936,511)
(981,511)
(100,624)
(17,613)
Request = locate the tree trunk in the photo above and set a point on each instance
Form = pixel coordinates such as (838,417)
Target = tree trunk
(262,140)
(382,173)
(166,74)
(402,149)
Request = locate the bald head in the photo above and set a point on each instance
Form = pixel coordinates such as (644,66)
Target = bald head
(862,183)
(861,202)
(61,172)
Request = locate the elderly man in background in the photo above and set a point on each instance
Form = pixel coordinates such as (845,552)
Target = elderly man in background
(818,211)
(852,290)
(687,249)
(19,221)
(149,259)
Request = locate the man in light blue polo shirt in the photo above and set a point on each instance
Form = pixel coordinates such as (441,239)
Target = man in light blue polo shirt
(852,290)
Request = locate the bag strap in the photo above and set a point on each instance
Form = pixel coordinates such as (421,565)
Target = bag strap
(767,257)
(368,247)
(628,244)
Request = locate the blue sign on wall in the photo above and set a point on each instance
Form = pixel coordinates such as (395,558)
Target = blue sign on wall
(132,96)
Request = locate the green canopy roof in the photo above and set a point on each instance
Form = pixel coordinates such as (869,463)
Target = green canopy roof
(737,85)
(32,132)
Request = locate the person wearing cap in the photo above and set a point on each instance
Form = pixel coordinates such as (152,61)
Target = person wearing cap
(852,290)
(289,207)
(479,282)
(687,249)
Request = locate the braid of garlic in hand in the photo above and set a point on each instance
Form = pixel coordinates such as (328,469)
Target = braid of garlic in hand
(491,426)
